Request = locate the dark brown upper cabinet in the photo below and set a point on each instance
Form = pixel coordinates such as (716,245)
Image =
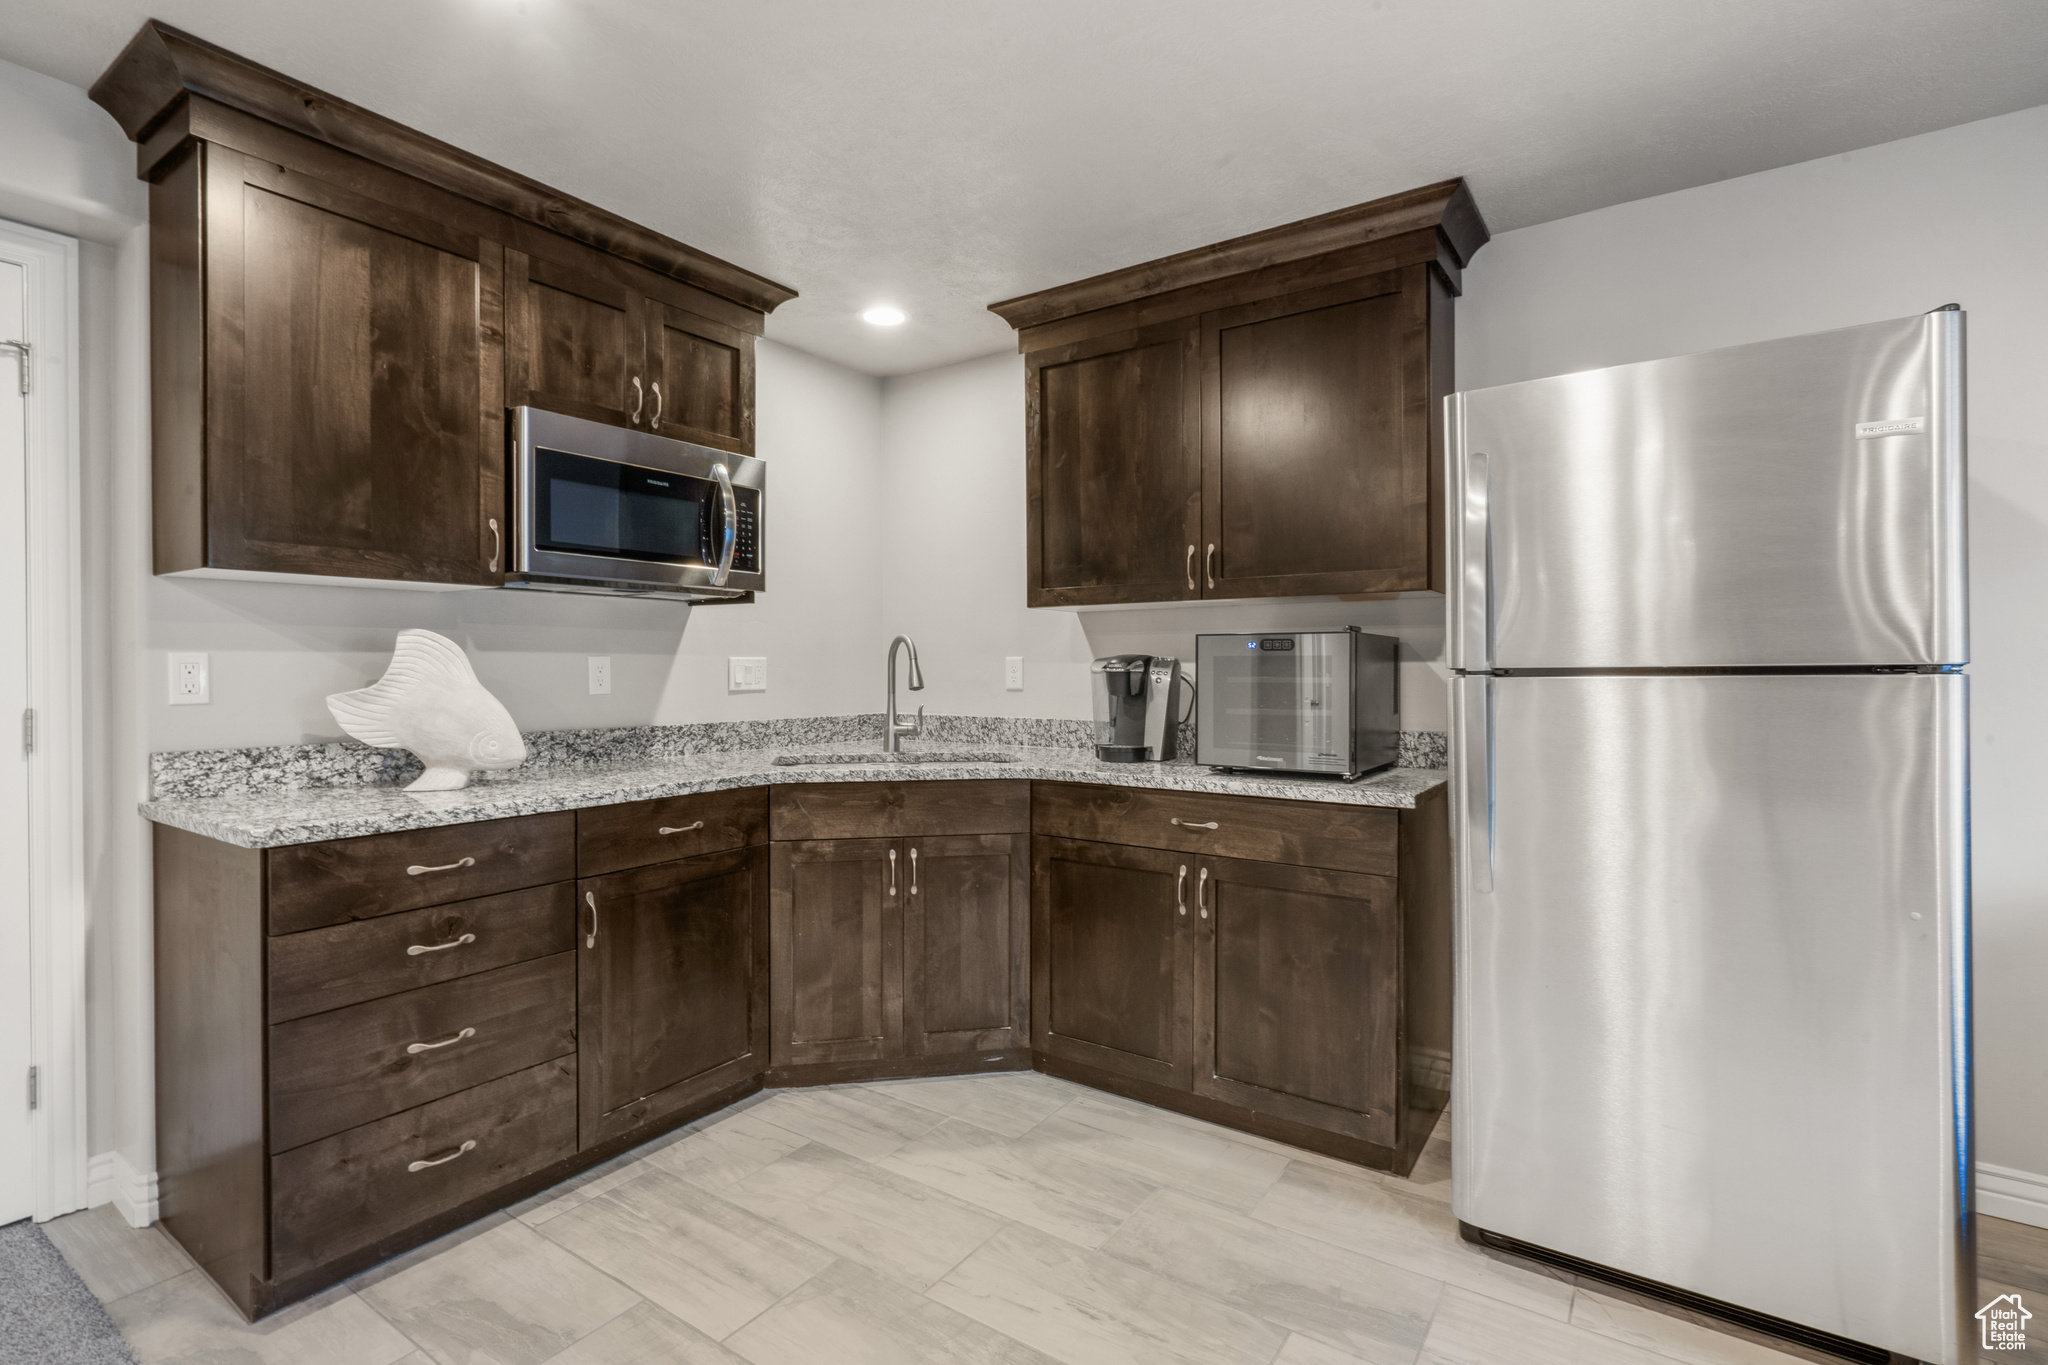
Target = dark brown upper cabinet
(1258,418)
(342,309)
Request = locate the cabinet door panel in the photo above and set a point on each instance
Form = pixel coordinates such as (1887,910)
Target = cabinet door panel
(575,343)
(707,380)
(671,999)
(1315,454)
(1113,474)
(1298,1009)
(347,427)
(838,975)
(965,943)
(1109,957)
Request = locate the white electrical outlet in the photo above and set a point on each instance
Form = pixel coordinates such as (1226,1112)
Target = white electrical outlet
(600,677)
(746,675)
(1013,673)
(191,680)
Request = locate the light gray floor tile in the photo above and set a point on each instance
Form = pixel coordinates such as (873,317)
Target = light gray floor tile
(847,1315)
(510,1297)
(1374,1310)
(1431,1177)
(1085,1308)
(187,1321)
(891,1224)
(1471,1329)
(646,1335)
(1361,1214)
(2013,1254)
(862,1122)
(1006,1103)
(1200,1159)
(426,1251)
(710,1263)
(1668,1334)
(112,1258)
(1041,1184)
(1153,1114)
(1301,1350)
(730,1149)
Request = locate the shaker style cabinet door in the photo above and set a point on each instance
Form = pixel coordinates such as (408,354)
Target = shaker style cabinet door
(837,925)
(575,342)
(1318,426)
(1113,468)
(1298,995)
(672,988)
(966,927)
(351,376)
(1112,957)
(705,374)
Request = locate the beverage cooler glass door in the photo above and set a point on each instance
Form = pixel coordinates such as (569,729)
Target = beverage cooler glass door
(1712,993)
(1793,503)
(1275,701)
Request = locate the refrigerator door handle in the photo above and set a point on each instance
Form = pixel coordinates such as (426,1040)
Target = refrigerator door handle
(1475,567)
(1478,784)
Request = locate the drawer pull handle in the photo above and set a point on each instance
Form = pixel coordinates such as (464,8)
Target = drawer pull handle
(443,1159)
(416,869)
(419,948)
(1202,893)
(590,899)
(1190,824)
(1180,889)
(414,1049)
(680,829)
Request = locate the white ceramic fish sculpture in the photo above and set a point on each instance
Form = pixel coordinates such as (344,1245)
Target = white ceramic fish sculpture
(430,702)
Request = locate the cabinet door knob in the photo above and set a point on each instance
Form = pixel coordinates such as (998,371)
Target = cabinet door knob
(415,870)
(590,899)
(442,1160)
(419,948)
(1191,568)
(681,829)
(497,544)
(1209,565)
(655,420)
(1180,890)
(892,871)
(913,872)
(639,401)
(1202,893)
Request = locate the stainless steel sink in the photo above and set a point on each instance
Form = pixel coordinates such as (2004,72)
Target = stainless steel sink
(921,756)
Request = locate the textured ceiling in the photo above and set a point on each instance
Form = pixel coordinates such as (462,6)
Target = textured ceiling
(942,154)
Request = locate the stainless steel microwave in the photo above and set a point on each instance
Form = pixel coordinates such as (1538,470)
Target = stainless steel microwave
(601,509)
(1324,701)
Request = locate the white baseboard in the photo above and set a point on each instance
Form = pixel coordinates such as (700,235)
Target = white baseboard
(2020,1196)
(111,1180)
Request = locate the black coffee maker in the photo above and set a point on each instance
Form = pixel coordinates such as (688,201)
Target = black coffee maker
(1137,707)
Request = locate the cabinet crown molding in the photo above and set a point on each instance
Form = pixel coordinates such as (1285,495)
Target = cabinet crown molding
(1446,206)
(162,66)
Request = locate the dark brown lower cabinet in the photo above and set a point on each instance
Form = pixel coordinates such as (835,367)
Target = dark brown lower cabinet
(672,996)
(1112,957)
(966,921)
(1297,995)
(836,928)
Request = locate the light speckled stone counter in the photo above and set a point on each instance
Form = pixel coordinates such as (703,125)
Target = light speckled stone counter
(272,817)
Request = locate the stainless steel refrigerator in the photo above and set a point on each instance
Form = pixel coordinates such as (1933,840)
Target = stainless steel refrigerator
(1710,780)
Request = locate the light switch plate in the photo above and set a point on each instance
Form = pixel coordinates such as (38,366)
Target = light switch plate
(746,675)
(1013,673)
(600,677)
(191,680)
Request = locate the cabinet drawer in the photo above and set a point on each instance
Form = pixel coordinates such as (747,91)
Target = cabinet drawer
(1305,833)
(609,838)
(326,969)
(314,885)
(337,1196)
(894,810)
(349,1066)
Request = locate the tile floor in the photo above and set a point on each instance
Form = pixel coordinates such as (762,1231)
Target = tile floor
(989,1220)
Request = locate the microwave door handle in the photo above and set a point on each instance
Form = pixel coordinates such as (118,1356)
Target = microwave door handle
(730,506)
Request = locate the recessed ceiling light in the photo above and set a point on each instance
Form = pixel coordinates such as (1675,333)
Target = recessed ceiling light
(883,316)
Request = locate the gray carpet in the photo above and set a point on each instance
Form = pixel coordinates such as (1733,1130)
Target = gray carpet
(47,1315)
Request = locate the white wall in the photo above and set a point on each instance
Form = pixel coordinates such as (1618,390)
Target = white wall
(955,448)
(1956,216)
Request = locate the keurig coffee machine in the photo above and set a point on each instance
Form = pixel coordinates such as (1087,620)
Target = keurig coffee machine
(1137,708)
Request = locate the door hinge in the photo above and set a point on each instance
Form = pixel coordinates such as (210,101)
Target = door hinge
(28,731)
(35,1097)
(24,350)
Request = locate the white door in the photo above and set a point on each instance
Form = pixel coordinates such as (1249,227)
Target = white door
(16,1194)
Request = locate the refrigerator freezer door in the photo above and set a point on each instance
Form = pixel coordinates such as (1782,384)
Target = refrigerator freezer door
(1792,503)
(1712,988)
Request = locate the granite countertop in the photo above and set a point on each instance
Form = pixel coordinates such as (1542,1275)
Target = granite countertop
(270,818)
